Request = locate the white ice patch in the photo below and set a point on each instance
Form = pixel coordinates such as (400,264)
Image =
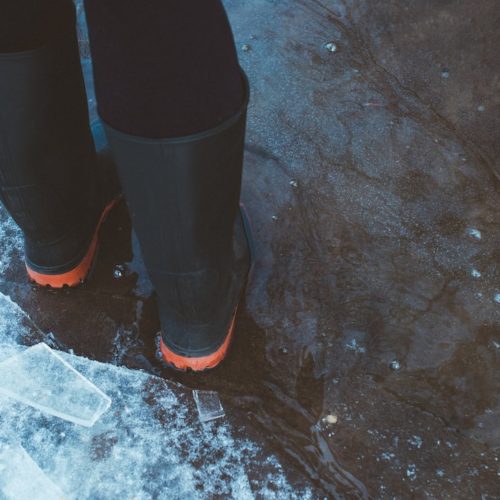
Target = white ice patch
(11,240)
(149,444)
(21,477)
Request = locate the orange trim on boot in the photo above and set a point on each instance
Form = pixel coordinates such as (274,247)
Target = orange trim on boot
(78,274)
(203,362)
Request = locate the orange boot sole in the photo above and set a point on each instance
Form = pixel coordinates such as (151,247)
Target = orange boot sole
(77,275)
(201,363)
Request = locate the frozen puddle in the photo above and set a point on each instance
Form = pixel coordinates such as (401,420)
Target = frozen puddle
(41,378)
(20,476)
(149,444)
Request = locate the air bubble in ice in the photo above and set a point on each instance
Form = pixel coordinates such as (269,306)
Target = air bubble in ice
(395,365)
(445,73)
(416,441)
(118,272)
(474,233)
(481,108)
(496,298)
(353,345)
(411,472)
(246,48)
(475,273)
(158,353)
(440,472)
(331,47)
(294,183)
(274,217)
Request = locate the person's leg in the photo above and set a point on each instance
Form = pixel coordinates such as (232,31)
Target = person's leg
(48,164)
(173,98)
(30,24)
(163,68)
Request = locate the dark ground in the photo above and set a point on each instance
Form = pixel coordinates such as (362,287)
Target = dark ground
(370,180)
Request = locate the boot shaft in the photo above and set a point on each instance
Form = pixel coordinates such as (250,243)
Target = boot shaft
(46,147)
(183,196)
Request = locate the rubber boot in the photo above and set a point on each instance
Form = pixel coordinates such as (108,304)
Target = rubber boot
(51,181)
(183,195)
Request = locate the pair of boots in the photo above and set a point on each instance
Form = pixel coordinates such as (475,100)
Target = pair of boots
(182,193)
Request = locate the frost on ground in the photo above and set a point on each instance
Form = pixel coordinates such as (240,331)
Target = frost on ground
(20,476)
(10,240)
(149,444)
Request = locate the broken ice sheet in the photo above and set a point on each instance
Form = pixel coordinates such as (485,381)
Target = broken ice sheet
(208,405)
(20,476)
(41,378)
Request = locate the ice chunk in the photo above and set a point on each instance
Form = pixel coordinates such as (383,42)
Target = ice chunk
(41,378)
(124,454)
(20,476)
(208,405)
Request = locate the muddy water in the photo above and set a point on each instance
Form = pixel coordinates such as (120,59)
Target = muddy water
(368,351)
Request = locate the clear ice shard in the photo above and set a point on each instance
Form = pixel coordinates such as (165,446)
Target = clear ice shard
(208,405)
(20,476)
(39,377)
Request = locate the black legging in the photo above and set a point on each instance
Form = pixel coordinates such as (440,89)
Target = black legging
(162,68)
(29,24)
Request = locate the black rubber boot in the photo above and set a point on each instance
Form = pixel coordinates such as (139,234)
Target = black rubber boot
(183,194)
(51,181)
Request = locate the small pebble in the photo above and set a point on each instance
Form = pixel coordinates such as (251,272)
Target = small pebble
(445,73)
(440,472)
(331,47)
(246,48)
(330,419)
(481,108)
(283,350)
(274,217)
(496,298)
(294,183)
